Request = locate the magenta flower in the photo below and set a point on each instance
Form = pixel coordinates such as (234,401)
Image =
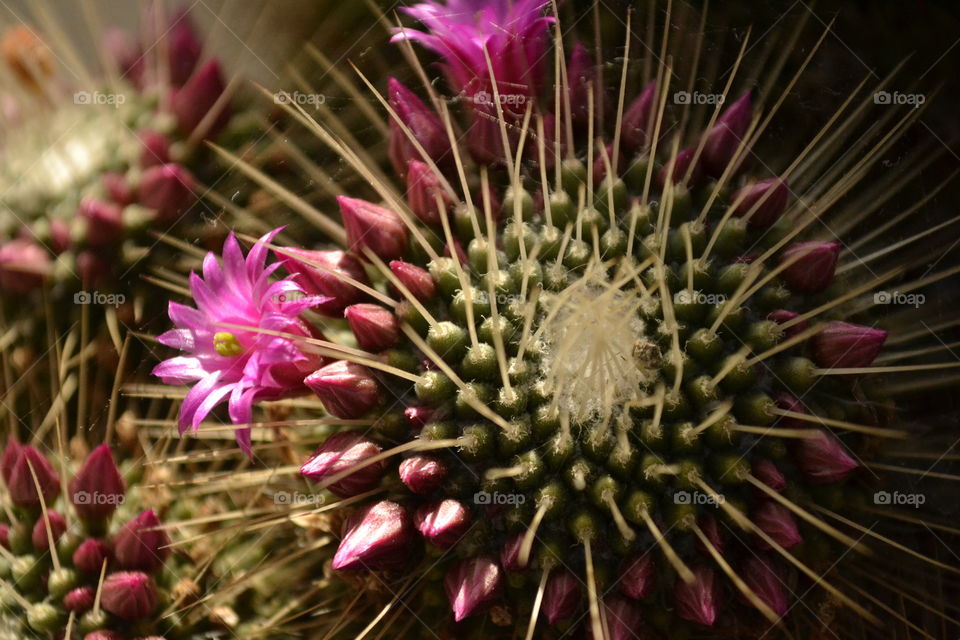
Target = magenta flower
(230,363)
(776,521)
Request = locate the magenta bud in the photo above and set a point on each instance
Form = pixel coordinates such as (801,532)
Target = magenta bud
(347,390)
(24,265)
(624,619)
(510,554)
(183,48)
(371,226)
(773,192)
(457,252)
(9,458)
(844,345)
(600,163)
(676,169)
(581,76)
(711,529)
(193,101)
(813,266)
(375,327)
(425,126)
(5,536)
(103,634)
(471,585)
(776,521)
(782,316)
(726,136)
(697,601)
(423,191)
(561,596)
(340,452)
(21,485)
(638,578)
(638,120)
(759,574)
(97,488)
(790,403)
(168,188)
(58,525)
(417,417)
(823,460)
(154,148)
(89,556)
(423,473)
(126,54)
(117,188)
(323,273)
(767,473)
(129,595)
(80,600)
(442,523)
(93,268)
(104,221)
(379,536)
(417,281)
(141,545)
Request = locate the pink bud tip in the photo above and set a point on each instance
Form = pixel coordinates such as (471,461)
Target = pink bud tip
(5,536)
(21,485)
(425,194)
(471,585)
(347,390)
(9,459)
(581,76)
(58,525)
(379,536)
(129,595)
(103,634)
(812,267)
(776,521)
(141,545)
(711,528)
(824,460)
(604,156)
(782,316)
(761,576)
(192,102)
(424,125)
(417,281)
(772,192)
(154,148)
(24,265)
(423,474)
(326,274)
(104,222)
(97,488)
(375,327)
(126,54)
(89,556)
(117,187)
(442,523)
(639,577)
(80,600)
(676,170)
(371,226)
(697,601)
(340,452)
(624,619)
(726,136)
(561,596)
(790,403)
(416,417)
(510,553)
(637,119)
(168,188)
(845,345)
(183,47)
(767,473)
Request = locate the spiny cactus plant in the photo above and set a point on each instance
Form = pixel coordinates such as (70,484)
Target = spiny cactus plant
(587,367)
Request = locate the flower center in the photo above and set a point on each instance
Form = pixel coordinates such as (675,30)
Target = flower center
(227,344)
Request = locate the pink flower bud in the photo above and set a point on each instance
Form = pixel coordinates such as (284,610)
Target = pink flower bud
(417,281)
(80,600)
(638,120)
(676,169)
(347,390)
(510,553)
(89,556)
(154,148)
(442,523)
(104,221)
(767,473)
(823,460)
(371,226)
(418,416)
(425,126)
(103,634)
(97,488)
(711,529)
(129,595)
(776,521)
(726,136)
(375,327)
(471,585)
(195,99)
(624,619)
(168,188)
(760,575)
(141,545)
(697,601)
(93,268)
(24,265)
(21,484)
(561,596)
(9,459)
(773,192)
(423,190)
(117,187)
(127,55)
(790,403)
(423,474)
(183,48)
(604,156)
(58,525)
(638,577)
(845,345)
(379,536)
(340,452)
(814,264)
(5,536)
(322,273)
(783,316)
(581,76)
